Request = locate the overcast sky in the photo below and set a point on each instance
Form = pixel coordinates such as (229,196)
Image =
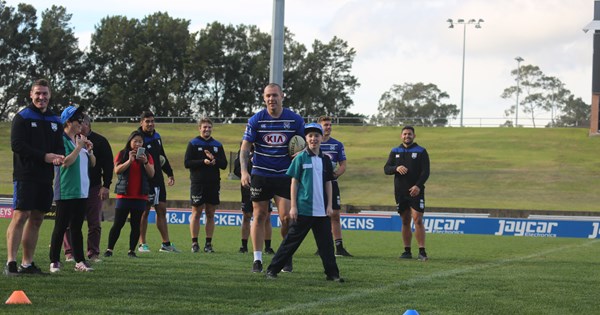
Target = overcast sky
(404,41)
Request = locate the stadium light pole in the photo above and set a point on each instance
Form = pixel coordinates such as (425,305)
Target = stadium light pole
(519,60)
(464,23)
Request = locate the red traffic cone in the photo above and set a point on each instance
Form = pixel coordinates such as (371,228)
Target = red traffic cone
(18,297)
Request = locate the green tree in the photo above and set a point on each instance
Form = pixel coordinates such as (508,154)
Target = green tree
(414,104)
(576,113)
(59,58)
(18,34)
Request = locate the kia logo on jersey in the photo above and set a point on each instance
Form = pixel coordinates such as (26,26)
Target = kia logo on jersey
(275,138)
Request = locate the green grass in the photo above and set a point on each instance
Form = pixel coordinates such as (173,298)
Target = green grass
(499,168)
(467,274)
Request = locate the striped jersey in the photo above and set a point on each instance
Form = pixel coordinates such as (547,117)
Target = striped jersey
(72,182)
(271,137)
(334,150)
(312,172)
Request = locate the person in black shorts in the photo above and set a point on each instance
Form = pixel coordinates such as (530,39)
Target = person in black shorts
(409,163)
(247,211)
(36,142)
(158,192)
(204,157)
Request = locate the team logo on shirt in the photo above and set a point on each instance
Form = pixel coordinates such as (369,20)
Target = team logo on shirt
(54,126)
(414,155)
(286,125)
(275,138)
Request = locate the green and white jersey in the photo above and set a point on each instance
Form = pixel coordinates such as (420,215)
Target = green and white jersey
(312,172)
(72,182)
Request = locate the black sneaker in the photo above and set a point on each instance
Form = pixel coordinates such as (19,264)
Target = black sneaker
(11,269)
(131,254)
(406,255)
(195,247)
(208,248)
(108,253)
(269,251)
(257,266)
(271,275)
(342,252)
(243,250)
(31,270)
(335,279)
(289,267)
(423,256)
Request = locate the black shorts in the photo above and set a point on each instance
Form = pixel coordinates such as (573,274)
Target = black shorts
(159,191)
(204,194)
(247,202)
(265,188)
(405,201)
(335,196)
(29,196)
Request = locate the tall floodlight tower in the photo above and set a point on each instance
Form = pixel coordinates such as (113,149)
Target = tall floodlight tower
(277,38)
(595,26)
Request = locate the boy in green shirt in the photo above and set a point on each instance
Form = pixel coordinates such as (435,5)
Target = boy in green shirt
(311,205)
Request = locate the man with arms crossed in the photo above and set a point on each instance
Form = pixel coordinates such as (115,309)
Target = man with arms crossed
(335,151)
(409,163)
(270,130)
(36,142)
(158,191)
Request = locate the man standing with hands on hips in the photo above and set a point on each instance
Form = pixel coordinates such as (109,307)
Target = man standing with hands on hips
(409,163)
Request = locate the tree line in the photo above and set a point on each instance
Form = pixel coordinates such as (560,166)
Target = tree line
(156,63)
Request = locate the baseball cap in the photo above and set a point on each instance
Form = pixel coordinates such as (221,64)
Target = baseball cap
(71,111)
(313,127)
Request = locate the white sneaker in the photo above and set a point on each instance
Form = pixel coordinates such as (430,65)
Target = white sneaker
(143,248)
(54,267)
(83,266)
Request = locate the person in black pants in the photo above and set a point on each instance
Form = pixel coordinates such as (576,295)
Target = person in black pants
(311,206)
(133,170)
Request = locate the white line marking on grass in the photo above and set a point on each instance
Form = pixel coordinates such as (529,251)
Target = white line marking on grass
(437,275)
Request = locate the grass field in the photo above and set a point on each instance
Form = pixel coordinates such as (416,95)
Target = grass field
(467,274)
(498,168)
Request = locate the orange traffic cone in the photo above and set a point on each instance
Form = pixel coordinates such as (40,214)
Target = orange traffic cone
(18,297)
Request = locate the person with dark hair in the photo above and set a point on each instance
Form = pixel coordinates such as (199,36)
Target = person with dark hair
(270,130)
(204,157)
(36,142)
(158,192)
(247,210)
(71,188)
(311,173)
(409,163)
(133,169)
(100,180)
(335,151)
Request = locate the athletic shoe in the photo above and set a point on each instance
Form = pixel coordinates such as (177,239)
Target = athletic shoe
(208,248)
(108,253)
(131,254)
(271,275)
(143,248)
(257,266)
(269,251)
(243,250)
(83,266)
(31,270)
(195,247)
(289,267)
(335,279)
(94,258)
(423,256)
(69,258)
(11,269)
(342,252)
(406,255)
(55,267)
(168,249)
